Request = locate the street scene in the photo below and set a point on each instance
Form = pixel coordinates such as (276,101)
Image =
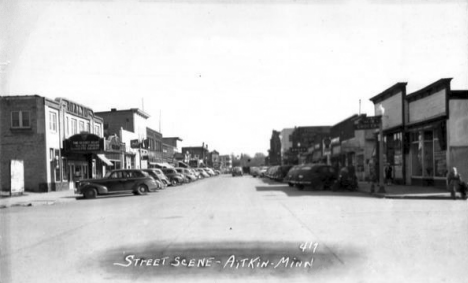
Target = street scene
(242,229)
(233,141)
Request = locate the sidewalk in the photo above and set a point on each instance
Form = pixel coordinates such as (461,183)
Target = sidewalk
(407,192)
(35,199)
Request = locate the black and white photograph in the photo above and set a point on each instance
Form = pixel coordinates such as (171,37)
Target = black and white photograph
(233,141)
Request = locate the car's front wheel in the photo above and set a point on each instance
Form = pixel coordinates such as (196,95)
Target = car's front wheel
(90,193)
(142,189)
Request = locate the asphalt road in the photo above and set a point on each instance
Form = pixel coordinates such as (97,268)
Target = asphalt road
(239,229)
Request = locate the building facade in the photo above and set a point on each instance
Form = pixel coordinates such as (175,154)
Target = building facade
(198,155)
(274,153)
(425,132)
(130,125)
(302,139)
(286,144)
(58,141)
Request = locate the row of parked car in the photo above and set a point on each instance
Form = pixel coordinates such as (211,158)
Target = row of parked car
(318,176)
(140,181)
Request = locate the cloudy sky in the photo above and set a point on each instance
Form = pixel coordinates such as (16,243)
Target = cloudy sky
(228,72)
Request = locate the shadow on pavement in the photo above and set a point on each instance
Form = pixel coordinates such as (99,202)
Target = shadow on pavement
(223,260)
(110,196)
(294,192)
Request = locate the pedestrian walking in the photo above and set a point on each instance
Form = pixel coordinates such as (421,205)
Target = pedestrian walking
(388,174)
(453,182)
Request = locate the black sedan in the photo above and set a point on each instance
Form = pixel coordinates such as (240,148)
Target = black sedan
(117,181)
(317,176)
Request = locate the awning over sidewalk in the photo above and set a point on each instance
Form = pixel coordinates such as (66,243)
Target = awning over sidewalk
(104,159)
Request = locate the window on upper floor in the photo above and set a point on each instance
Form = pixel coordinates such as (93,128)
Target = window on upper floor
(81,126)
(74,126)
(20,119)
(53,121)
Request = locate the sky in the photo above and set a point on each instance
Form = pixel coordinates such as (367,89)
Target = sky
(226,73)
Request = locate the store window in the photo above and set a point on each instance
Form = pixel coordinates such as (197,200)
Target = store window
(440,160)
(428,157)
(416,153)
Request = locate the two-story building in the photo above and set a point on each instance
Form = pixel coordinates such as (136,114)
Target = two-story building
(57,141)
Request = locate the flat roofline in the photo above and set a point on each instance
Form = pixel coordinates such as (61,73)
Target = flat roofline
(389,91)
(133,110)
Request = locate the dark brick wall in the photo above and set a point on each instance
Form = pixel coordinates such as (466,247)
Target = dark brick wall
(115,120)
(24,144)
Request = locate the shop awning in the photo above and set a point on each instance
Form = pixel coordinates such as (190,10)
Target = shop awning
(104,159)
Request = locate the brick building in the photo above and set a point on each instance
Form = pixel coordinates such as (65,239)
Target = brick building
(44,135)
(130,125)
(303,138)
(274,153)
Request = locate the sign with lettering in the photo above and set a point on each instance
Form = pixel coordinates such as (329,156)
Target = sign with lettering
(135,144)
(368,123)
(84,142)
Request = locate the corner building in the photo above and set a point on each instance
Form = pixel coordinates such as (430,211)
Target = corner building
(34,129)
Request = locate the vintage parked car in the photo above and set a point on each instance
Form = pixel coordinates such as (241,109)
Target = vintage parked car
(117,181)
(209,171)
(203,173)
(271,171)
(195,173)
(162,183)
(187,173)
(254,171)
(291,174)
(262,171)
(175,177)
(237,171)
(318,176)
(281,172)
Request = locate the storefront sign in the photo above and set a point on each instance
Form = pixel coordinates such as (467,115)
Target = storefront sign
(113,144)
(84,143)
(134,144)
(368,123)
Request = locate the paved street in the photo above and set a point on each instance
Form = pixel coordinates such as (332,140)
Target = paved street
(237,229)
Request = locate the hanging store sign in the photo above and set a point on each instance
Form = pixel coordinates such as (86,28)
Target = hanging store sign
(135,144)
(368,123)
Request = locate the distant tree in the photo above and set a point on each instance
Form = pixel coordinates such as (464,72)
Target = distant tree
(257,160)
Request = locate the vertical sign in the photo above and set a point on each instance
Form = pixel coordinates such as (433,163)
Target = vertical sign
(16,177)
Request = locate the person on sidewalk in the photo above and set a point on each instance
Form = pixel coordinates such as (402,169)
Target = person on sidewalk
(453,182)
(388,174)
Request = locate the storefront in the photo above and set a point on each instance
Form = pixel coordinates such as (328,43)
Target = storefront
(428,153)
(81,154)
(114,153)
(394,154)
